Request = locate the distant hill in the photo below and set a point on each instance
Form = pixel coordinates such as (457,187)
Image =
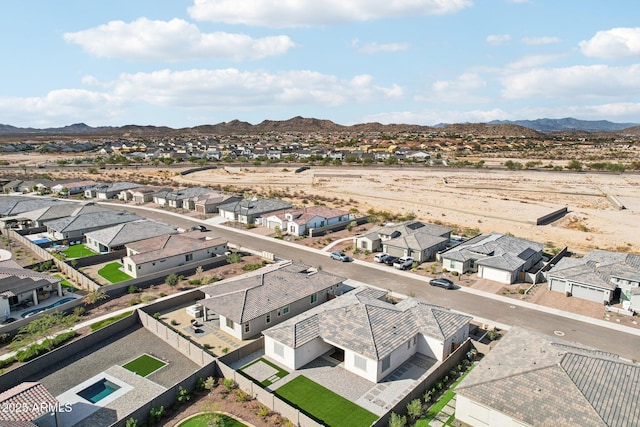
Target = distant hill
(567,124)
(527,128)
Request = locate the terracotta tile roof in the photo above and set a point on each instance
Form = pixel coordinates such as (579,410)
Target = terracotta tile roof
(169,245)
(33,399)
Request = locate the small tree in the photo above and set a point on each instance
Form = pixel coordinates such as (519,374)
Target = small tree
(95,296)
(414,409)
(396,420)
(171,280)
(234,258)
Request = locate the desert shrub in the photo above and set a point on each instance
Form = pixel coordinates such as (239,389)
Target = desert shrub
(229,383)
(171,280)
(241,395)
(183,395)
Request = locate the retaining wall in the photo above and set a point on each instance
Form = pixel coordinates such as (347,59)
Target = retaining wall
(551,217)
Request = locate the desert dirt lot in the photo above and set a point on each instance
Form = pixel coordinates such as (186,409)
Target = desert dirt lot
(476,200)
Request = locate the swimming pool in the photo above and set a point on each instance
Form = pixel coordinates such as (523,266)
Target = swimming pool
(98,391)
(41,241)
(41,309)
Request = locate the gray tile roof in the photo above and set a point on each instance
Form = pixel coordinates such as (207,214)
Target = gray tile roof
(495,250)
(417,241)
(597,267)
(128,232)
(410,227)
(15,205)
(541,380)
(15,280)
(187,193)
(115,187)
(91,221)
(255,207)
(253,295)
(169,245)
(368,326)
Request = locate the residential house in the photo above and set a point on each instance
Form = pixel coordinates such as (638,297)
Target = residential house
(248,211)
(298,221)
(373,336)
(409,238)
(72,187)
(11,206)
(37,217)
(38,185)
(170,250)
(141,195)
(531,379)
(251,303)
(12,186)
(20,285)
(109,191)
(599,276)
(208,203)
(75,227)
(28,404)
(183,198)
(113,238)
(494,256)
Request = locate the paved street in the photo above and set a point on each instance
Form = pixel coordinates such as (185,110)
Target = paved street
(478,305)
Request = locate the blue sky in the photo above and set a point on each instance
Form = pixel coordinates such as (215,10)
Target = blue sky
(183,63)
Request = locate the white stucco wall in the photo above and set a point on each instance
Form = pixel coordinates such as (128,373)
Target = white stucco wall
(495,274)
(450,265)
(430,347)
(310,351)
(371,369)
(236,331)
(139,270)
(288,358)
(477,415)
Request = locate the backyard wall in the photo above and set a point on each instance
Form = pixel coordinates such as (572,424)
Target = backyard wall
(321,231)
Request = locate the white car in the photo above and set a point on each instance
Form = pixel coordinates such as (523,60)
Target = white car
(404,263)
(380,257)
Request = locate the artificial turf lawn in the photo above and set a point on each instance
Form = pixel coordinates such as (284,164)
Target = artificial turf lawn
(112,273)
(266,383)
(441,403)
(144,365)
(78,251)
(325,405)
(202,421)
(64,282)
(102,323)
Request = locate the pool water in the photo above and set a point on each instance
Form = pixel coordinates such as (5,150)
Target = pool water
(41,309)
(41,241)
(98,391)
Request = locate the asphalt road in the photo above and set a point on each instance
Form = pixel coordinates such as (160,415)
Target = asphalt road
(611,340)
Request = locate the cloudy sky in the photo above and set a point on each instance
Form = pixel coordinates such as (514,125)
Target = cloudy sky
(183,63)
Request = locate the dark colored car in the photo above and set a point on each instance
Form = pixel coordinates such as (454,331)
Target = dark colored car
(340,256)
(390,260)
(199,227)
(442,282)
(8,320)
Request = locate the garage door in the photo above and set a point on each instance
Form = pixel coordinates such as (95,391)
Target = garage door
(557,285)
(273,224)
(493,274)
(590,294)
(399,252)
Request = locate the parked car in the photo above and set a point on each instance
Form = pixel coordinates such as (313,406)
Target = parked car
(389,260)
(403,263)
(381,257)
(199,227)
(442,282)
(8,320)
(339,256)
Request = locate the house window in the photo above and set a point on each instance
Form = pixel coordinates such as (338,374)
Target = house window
(452,264)
(229,323)
(282,311)
(363,244)
(188,257)
(278,349)
(415,340)
(246,327)
(268,318)
(314,298)
(129,267)
(386,363)
(408,344)
(360,362)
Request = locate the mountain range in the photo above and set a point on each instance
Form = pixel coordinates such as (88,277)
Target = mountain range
(310,125)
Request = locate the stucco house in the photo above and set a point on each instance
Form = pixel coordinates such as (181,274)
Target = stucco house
(75,227)
(397,240)
(531,379)
(297,222)
(19,285)
(208,203)
(170,250)
(251,303)
(109,191)
(17,205)
(598,276)
(248,211)
(72,187)
(141,195)
(116,237)
(494,256)
(63,209)
(375,336)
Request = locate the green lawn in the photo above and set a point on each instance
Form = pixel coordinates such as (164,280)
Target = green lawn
(144,365)
(332,409)
(266,383)
(78,251)
(112,273)
(102,323)
(202,420)
(441,403)
(64,282)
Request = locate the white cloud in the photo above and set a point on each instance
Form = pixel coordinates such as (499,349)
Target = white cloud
(173,40)
(498,39)
(459,90)
(232,88)
(616,43)
(585,82)
(374,47)
(311,13)
(540,40)
(437,116)
(532,61)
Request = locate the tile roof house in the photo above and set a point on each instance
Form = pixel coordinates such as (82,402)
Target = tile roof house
(530,379)
(248,211)
(375,335)
(251,303)
(116,237)
(410,238)
(208,203)
(109,191)
(141,195)
(19,285)
(298,221)
(73,187)
(25,403)
(74,227)
(16,205)
(170,250)
(494,256)
(185,198)
(597,276)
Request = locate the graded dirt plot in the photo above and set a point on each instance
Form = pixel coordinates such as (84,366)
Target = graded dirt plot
(486,200)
